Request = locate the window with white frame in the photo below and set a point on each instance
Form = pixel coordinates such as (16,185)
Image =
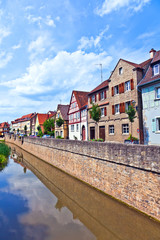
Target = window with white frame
(120,70)
(111,129)
(102,112)
(158,92)
(116,108)
(156,69)
(158,124)
(116,90)
(61,133)
(102,95)
(125,128)
(72,128)
(93,98)
(58,115)
(127,86)
(77,127)
(127,104)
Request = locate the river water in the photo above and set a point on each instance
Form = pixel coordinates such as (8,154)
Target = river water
(40,202)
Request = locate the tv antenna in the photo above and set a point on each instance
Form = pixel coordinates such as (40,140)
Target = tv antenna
(100,64)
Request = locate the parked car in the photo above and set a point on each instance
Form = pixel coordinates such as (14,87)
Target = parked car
(46,136)
(131,142)
(32,136)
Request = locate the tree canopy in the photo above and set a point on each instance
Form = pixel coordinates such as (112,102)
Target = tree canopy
(95,112)
(131,113)
(48,125)
(59,122)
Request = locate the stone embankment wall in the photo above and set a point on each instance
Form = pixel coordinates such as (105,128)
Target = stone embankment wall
(130,173)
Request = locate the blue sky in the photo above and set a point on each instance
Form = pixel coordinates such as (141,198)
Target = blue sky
(49,48)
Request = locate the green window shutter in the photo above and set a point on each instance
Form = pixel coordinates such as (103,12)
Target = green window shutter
(153,125)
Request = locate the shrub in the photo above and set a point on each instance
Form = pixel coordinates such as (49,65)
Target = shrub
(59,137)
(133,138)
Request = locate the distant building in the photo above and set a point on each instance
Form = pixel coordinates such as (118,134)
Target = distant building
(4,128)
(150,88)
(18,125)
(78,128)
(99,95)
(62,112)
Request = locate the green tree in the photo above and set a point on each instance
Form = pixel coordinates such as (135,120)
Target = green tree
(59,122)
(25,129)
(95,112)
(131,115)
(40,134)
(48,126)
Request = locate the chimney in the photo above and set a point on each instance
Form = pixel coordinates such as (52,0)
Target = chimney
(152,53)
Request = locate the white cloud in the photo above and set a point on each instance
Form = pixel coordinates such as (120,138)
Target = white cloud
(57,18)
(86,42)
(146,35)
(65,71)
(39,20)
(50,22)
(39,46)
(4,33)
(16,46)
(5,58)
(28,8)
(113,5)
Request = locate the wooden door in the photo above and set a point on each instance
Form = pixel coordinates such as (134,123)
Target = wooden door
(92,132)
(102,132)
(83,133)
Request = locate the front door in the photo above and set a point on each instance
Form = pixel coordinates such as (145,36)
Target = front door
(102,132)
(92,132)
(83,133)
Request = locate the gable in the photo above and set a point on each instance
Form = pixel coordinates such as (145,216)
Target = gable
(73,104)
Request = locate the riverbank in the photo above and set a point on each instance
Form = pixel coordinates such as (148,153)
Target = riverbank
(130,174)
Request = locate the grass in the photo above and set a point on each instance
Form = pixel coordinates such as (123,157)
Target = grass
(4,153)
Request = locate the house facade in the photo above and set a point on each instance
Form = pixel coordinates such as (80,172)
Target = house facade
(4,128)
(62,112)
(98,95)
(18,125)
(121,91)
(150,88)
(77,113)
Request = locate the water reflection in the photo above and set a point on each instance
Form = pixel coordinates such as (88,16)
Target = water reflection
(67,209)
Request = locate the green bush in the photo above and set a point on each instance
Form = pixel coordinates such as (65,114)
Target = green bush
(133,138)
(4,150)
(97,140)
(59,137)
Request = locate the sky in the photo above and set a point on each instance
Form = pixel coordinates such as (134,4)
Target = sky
(49,48)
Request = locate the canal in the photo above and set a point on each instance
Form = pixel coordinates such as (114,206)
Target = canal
(40,202)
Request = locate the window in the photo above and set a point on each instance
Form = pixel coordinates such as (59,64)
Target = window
(116,108)
(102,95)
(125,128)
(158,92)
(111,129)
(116,90)
(156,69)
(58,115)
(127,104)
(127,86)
(61,133)
(93,98)
(77,127)
(72,128)
(120,70)
(102,112)
(158,124)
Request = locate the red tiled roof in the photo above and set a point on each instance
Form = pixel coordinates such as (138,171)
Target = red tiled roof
(99,87)
(3,124)
(64,111)
(42,117)
(149,74)
(81,98)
